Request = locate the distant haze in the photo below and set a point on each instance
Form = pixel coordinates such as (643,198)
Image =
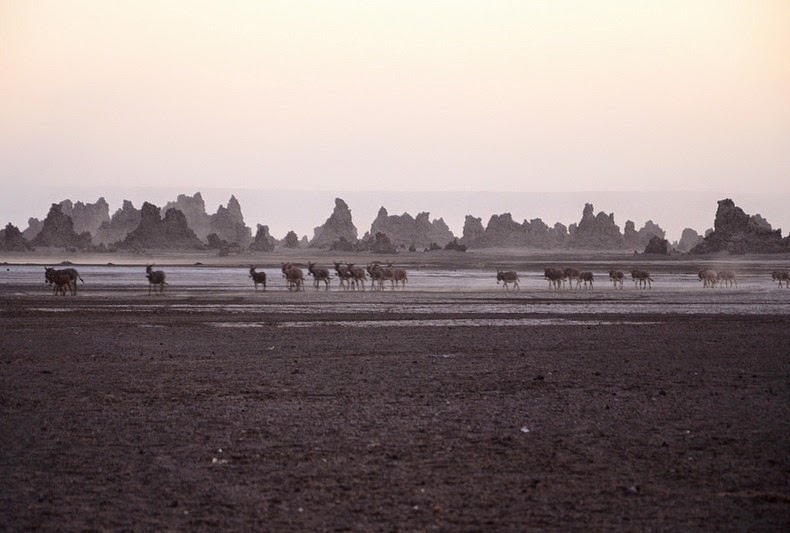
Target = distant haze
(302,211)
(508,96)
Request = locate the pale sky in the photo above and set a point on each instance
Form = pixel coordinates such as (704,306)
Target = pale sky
(397,95)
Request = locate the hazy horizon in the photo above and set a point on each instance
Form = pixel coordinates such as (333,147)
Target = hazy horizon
(302,211)
(529,96)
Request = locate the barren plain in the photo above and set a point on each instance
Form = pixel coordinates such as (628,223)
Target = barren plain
(451,404)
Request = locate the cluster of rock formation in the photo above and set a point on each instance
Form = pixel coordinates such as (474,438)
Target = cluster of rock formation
(592,232)
(688,240)
(172,231)
(89,226)
(406,231)
(338,226)
(185,224)
(736,232)
(58,230)
(227,224)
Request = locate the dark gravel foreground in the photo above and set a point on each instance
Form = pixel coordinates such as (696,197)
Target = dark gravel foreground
(152,417)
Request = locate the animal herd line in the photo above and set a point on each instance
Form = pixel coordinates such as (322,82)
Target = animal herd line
(378,276)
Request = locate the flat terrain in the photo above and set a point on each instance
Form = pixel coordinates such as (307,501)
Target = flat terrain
(454,409)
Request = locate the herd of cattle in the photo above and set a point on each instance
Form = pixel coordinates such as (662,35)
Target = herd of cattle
(378,275)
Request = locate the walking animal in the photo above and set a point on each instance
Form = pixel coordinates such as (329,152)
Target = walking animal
(61,281)
(642,277)
(50,273)
(782,276)
(708,277)
(380,274)
(507,278)
(258,278)
(586,277)
(556,277)
(358,275)
(616,276)
(398,276)
(319,274)
(155,277)
(573,274)
(294,276)
(726,278)
(344,274)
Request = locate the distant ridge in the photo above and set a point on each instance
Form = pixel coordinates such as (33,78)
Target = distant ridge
(170,227)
